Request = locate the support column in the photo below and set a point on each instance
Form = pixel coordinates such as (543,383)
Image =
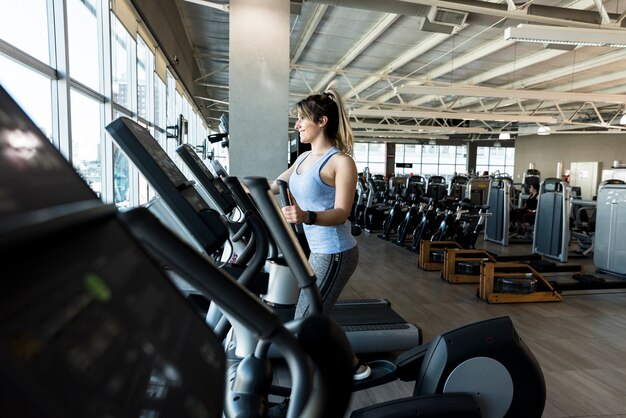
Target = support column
(259,87)
(472,148)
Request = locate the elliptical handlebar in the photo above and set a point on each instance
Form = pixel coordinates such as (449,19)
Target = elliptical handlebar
(285,238)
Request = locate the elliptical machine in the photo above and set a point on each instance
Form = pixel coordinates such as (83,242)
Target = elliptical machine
(483,369)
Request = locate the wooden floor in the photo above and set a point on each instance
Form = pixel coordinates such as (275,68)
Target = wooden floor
(580,342)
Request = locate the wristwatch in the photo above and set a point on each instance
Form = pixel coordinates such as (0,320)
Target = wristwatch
(312,218)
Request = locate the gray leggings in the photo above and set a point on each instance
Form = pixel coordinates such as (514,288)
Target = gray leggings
(332,272)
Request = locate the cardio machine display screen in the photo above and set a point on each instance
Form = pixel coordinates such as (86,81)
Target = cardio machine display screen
(33,175)
(214,186)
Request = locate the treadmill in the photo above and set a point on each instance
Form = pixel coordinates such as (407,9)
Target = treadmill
(371,325)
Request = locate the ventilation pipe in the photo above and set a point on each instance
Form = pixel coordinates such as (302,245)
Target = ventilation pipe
(387,6)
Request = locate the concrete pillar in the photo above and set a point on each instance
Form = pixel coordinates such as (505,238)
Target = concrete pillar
(259,87)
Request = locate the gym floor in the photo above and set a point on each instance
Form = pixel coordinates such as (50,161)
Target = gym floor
(579,342)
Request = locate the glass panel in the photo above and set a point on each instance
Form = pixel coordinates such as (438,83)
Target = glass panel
(360,166)
(482,169)
(413,154)
(24,24)
(447,154)
(446,170)
(121,178)
(399,153)
(497,156)
(83,42)
(145,66)
(377,168)
(429,170)
(461,158)
(360,153)
(159,102)
(482,157)
(430,155)
(121,68)
(376,154)
(86,131)
(31,90)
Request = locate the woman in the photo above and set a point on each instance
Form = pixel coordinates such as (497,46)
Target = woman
(531,202)
(322,183)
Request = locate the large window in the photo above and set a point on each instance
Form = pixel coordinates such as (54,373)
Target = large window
(84,48)
(425,160)
(429,160)
(370,155)
(74,80)
(86,145)
(122,59)
(495,160)
(30,90)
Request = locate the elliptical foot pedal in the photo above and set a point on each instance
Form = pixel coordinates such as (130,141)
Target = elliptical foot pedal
(383,371)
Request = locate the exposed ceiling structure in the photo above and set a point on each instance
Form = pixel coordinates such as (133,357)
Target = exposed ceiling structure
(457,70)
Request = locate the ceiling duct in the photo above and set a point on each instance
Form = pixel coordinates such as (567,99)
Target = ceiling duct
(388,6)
(447,17)
(587,16)
(436,20)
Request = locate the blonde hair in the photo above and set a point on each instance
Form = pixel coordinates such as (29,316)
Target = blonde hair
(329,104)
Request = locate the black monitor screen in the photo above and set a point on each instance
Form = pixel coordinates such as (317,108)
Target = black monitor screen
(219,168)
(151,146)
(94,329)
(33,175)
(89,325)
(169,182)
(214,186)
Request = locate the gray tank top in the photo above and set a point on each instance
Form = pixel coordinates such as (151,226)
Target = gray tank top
(312,193)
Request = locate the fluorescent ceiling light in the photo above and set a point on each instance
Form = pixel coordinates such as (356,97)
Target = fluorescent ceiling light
(622,120)
(504,135)
(566,36)
(421,114)
(543,130)
(476,91)
(432,142)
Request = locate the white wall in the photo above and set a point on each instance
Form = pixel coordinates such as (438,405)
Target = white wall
(546,151)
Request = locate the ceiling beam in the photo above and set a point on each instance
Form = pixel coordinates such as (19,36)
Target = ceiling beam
(379,28)
(308,31)
(518,14)
(408,56)
(420,128)
(422,114)
(397,134)
(478,91)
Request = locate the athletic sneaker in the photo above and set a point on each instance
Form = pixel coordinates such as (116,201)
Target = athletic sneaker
(361,371)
